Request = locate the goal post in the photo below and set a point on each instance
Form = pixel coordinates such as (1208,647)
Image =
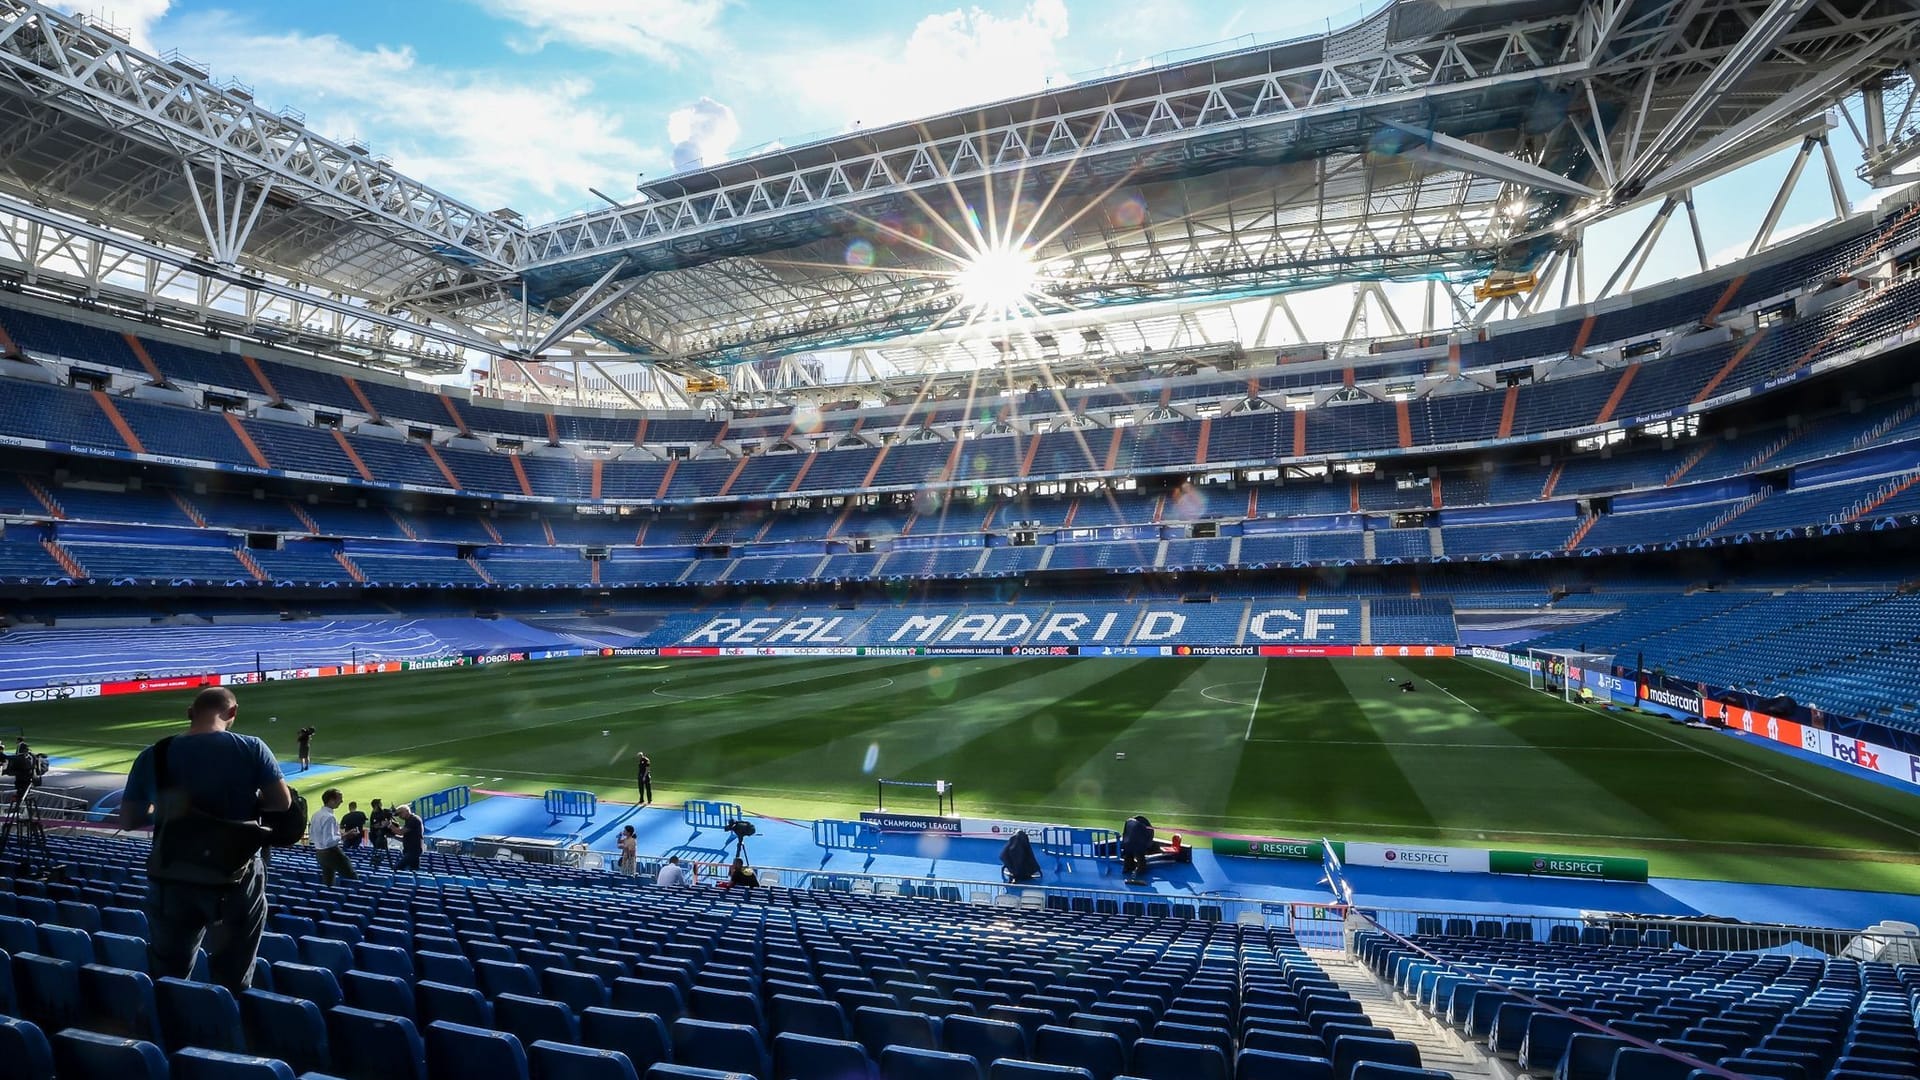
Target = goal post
(1562,672)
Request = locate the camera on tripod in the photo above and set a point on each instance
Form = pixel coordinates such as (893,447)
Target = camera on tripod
(27,768)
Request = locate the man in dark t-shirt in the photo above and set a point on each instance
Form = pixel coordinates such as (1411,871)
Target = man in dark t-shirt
(223,774)
(413,838)
(643,765)
(380,826)
(353,826)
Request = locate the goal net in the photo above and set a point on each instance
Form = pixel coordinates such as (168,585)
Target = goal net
(1564,673)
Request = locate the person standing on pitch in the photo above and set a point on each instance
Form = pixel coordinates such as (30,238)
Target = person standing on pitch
(324,834)
(208,784)
(306,748)
(645,782)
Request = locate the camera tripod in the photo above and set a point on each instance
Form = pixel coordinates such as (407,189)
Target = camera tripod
(21,827)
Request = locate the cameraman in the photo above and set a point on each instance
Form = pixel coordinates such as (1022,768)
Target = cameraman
(210,772)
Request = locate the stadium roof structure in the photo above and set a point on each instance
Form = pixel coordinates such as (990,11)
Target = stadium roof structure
(1451,140)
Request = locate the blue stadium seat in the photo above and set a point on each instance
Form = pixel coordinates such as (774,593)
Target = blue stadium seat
(1268,1065)
(462,1052)
(1099,1052)
(809,1016)
(445,968)
(911,1063)
(812,1057)
(373,1046)
(289,1028)
(316,984)
(1589,1057)
(1288,1043)
(1009,1069)
(380,993)
(559,1061)
(498,978)
(534,1018)
(663,999)
(1156,1059)
(728,1007)
(120,951)
(195,1063)
(119,1002)
(335,956)
(986,1040)
(48,990)
(577,990)
(24,1047)
(727,1047)
(66,943)
(1349,1051)
(87,1055)
(18,935)
(383,960)
(878,1029)
(640,1036)
(1375,1070)
(454,1004)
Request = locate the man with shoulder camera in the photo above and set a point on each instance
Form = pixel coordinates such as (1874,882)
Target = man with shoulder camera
(204,792)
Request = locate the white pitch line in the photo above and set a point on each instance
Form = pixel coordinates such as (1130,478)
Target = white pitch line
(1255,710)
(1736,764)
(1452,695)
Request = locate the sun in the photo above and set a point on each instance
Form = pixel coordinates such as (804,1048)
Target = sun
(997,282)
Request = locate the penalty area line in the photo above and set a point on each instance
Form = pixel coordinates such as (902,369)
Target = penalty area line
(1453,695)
(1255,710)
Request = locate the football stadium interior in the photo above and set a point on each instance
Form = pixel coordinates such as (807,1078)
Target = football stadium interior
(1530,687)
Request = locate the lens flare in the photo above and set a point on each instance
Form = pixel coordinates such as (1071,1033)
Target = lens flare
(996,282)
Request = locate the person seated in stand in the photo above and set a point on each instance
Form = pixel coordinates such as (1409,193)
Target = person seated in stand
(673,874)
(741,876)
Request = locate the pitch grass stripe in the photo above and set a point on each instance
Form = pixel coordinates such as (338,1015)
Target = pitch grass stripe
(1255,710)
(1744,767)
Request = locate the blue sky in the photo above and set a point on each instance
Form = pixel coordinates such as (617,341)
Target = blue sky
(529,103)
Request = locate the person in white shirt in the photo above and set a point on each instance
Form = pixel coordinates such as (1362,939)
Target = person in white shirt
(673,873)
(323,832)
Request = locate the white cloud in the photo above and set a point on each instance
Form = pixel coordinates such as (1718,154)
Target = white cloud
(136,17)
(485,137)
(951,60)
(702,133)
(659,30)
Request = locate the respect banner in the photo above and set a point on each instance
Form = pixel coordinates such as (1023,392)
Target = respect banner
(1549,864)
(1264,847)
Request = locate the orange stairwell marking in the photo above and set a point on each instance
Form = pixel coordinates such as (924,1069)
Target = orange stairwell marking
(1206,434)
(739,467)
(7,347)
(599,478)
(1113,448)
(1353,495)
(360,396)
(347,565)
(305,518)
(1508,408)
(260,376)
(246,441)
(907,529)
(1619,393)
(193,513)
(65,558)
(1253,503)
(405,527)
(1299,433)
(441,463)
(640,433)
(1580,339)
(1726,369)
(667,478)
(458,420)
(119,422)
(953,459)
(493,532)
(1726,297)
(1435,485)
(352,456)
(140,353)
(526,486)
(839,521)
(1883,498)
(594,569)
(794,484)
(1553,480)
(45,497)
(1073,511)
(478,569)
(1159,509)
(553,431)
(252,565)
(1404,418)
(547,527)
(1580,533)
(1166,395)
(1026,461)
(873,470)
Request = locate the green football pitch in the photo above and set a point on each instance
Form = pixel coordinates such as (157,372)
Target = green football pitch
(1284,747)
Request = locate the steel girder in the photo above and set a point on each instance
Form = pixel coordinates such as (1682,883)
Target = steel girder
(73,66)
